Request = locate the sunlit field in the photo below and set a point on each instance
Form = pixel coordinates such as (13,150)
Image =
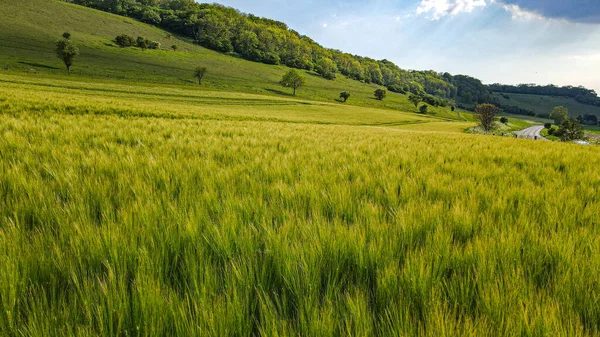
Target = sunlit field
(144,211)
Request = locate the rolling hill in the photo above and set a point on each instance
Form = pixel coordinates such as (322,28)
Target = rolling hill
(27,42)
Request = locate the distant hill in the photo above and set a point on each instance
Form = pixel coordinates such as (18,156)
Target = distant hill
(543,104)
(31,27)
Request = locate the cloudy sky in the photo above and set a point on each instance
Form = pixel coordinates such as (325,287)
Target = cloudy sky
(506,41)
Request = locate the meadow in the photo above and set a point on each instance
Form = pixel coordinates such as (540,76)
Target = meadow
(28,39)
(132,210)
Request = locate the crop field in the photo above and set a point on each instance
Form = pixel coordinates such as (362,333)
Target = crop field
(144,211)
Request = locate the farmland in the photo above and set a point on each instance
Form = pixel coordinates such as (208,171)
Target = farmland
(133,210)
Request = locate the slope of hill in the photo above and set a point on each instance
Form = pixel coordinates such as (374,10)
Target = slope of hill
(27,42)
(541,104)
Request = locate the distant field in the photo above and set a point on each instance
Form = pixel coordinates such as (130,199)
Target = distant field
(168,211)
(544,104)
(27,42)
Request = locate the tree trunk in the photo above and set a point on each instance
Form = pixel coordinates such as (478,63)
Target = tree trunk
(69,70)
(294,91)
(199,81)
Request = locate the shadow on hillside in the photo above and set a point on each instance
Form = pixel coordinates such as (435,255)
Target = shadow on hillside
(278,92)
(38,65)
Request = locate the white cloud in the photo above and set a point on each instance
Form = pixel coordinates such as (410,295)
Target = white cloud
(436,9)
(519,13)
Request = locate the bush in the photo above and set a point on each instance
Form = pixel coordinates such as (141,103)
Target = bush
(124,40)
(423,109)
(504,120)
(547,125)
(380,94)
(344,95)
(153,45)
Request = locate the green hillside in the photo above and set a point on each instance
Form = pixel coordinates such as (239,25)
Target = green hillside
(27,42)
(541,104)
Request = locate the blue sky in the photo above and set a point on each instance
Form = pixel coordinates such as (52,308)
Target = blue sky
(506,41)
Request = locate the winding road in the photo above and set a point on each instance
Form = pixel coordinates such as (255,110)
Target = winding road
(533,132)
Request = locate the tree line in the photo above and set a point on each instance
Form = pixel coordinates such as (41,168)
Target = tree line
(580,93)
(264,40)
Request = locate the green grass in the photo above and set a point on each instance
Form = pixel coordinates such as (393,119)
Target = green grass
(544,104)
(27,40)
(169,211)
(592,129)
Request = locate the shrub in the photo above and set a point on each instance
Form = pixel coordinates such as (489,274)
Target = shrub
(344,95)
(124,40)
(547,125)
(423,109)
(504,120)
(153,45)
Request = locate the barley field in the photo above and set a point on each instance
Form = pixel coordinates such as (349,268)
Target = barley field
(142,211)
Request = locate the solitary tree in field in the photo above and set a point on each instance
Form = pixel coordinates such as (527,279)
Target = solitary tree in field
(423,109)
(344,95)
(415,99)
(199,73)
(380,94)
(293,80)
(174,47)
(486,114)
(559,114)
(67,51)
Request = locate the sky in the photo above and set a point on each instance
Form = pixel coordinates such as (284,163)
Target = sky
(497,41)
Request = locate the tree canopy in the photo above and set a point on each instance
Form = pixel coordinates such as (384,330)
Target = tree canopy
(293,80)
(559,115)
(67,51)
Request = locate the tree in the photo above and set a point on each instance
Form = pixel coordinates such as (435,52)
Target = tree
(486,114)
(453,108)
(199,73)
(326,68)
(559,115)
(174,47)
(344,95)
(547,125)
(67,51)
(380,94)
(503,120)
(570,130)
(293,80)
(415,99)
(66,35)
(423,109)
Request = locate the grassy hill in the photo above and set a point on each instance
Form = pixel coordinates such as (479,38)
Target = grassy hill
(541,104)
(27,42)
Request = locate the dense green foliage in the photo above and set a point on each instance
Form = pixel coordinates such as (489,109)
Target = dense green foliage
(199,73)
(569,130)
(344,95)
(130,210)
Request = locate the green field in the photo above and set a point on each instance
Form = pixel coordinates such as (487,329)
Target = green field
(135,203)
(137,210)
(544,104)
